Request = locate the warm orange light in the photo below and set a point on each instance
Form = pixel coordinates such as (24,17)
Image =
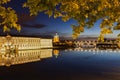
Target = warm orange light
(56,38)
(56,52)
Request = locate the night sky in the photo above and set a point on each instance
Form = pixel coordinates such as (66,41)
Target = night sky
(43,25)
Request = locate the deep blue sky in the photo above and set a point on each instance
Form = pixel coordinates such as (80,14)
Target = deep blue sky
(43,25)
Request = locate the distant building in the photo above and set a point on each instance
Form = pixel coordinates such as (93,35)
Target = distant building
(56,38)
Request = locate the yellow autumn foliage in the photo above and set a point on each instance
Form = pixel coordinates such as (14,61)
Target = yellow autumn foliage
(85,12)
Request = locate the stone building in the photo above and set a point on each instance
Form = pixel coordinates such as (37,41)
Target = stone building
(24,43)
(45,43)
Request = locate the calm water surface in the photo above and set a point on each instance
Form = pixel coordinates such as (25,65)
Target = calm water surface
(67,65)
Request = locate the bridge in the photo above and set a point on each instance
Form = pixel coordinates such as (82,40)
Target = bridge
(93,43)
(86,43)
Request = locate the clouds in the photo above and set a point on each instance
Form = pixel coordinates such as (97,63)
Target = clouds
(35,25)
(28,25)
(25,20)
(25,17)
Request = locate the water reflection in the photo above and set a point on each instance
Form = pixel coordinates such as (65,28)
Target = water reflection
(10,58)
(71,64)
(25,56)
(93,50)
(56,52)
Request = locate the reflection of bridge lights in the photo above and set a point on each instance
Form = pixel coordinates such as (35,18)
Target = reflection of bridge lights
(110,51)
(70,50)
(96,51)
(89,50)
(106,51)
(85,50)
(81,49)
(65,50)
(93,52)
(114,51)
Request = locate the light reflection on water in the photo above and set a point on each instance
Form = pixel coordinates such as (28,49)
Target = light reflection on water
(69,64)
(25,56)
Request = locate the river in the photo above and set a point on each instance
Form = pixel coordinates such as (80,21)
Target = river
(62,64)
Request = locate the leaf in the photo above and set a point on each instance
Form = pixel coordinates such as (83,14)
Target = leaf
(49,12)
(106,31)
(101,38)
(5,28)
(65,18)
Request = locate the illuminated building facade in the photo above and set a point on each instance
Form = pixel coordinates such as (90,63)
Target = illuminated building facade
(56,38)
(24,43)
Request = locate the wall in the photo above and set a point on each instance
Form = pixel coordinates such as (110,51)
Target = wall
(46,43)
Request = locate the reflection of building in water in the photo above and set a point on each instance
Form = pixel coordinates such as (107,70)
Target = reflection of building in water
(56,53)
(26,42)
(56,38)
(25,57)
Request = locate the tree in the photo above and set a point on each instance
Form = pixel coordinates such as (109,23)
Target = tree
(118,37)
(104,32)
(85,12)
(8,17)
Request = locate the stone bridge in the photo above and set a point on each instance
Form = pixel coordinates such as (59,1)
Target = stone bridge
(93,43)
(86,43)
